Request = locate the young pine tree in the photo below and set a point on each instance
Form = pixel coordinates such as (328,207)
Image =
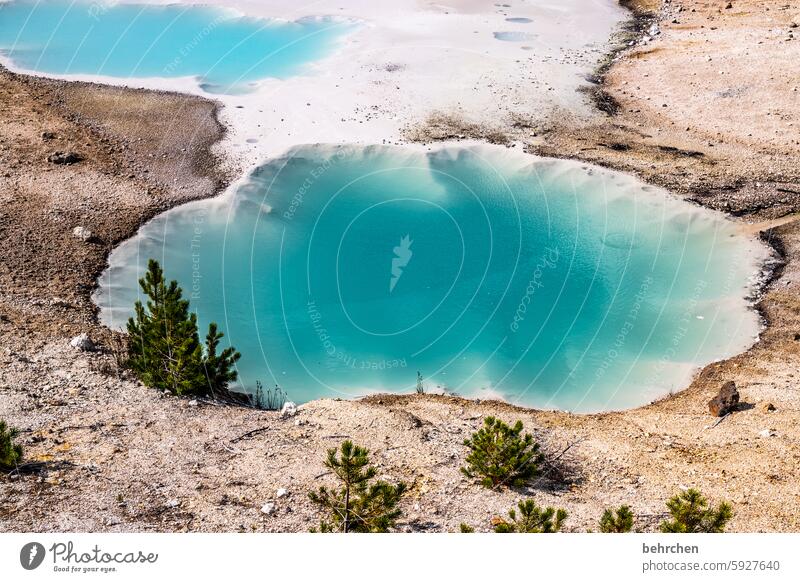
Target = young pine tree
(165,350)
(219,369)
(10,453)
(358,506)
(531,519)
(499,455)
(691,514)
(617,521)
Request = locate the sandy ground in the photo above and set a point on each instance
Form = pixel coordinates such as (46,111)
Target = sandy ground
(124,458)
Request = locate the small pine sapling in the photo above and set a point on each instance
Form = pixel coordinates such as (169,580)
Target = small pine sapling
(500,455)
(617,521)
(358,506)
(531,519)
(10,453)
(690,514)
(219,369)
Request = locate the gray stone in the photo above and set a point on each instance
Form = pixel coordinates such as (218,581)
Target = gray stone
(64,158)
(82,343)
(82,233)
(289,409)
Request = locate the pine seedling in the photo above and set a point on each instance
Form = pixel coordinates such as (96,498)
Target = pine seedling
(531,519)
(691,514)
(500,455)
(357,506)
(219,369)
(617,521)
(10,453)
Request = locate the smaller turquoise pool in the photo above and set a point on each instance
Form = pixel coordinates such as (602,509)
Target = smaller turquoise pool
(225,51)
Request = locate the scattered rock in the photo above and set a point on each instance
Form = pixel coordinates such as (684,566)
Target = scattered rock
(725,401)
(64,158)
(82,343)
(268,508)
(193,403)
(769,407)
(48,135)
(173,503)
(281,493)
(766,433)
(82,233)
(289,409)
(59,302)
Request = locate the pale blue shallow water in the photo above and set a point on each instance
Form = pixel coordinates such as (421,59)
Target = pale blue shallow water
(338,271)
(514,36)
(224,51)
